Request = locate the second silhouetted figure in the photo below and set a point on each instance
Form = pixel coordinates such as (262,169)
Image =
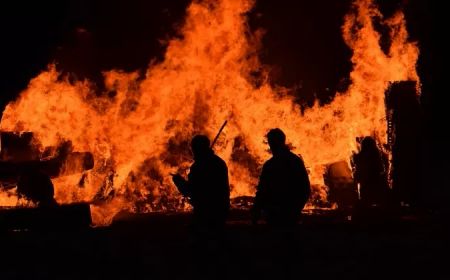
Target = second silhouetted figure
(283,188)
(207,185)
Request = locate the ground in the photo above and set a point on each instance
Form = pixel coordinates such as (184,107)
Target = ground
(159,246)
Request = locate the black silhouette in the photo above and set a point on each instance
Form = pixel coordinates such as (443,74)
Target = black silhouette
(370,174)
(283,188)
(207,185)
(208,190)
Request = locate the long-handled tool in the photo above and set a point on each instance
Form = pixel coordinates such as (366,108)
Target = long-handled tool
(218,134)
(213,142)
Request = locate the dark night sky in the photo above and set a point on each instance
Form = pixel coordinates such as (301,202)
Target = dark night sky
(303,43)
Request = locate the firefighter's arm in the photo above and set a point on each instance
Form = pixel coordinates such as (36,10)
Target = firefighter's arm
(181,184)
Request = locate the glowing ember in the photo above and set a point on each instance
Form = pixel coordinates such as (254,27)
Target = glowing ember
(139,130)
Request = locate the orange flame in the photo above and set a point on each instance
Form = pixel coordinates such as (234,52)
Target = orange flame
(139,130)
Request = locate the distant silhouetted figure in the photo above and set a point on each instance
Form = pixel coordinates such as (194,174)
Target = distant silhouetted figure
(283,188)
(370,174)
(207,185)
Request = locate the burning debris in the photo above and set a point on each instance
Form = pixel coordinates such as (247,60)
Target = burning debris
(139,135)
(25,164)
(26,170)
(404,127)
(343,191)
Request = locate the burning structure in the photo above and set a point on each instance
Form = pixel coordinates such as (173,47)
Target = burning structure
(404,140)
(138,130)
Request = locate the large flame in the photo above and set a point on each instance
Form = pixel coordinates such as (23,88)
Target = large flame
(139,130)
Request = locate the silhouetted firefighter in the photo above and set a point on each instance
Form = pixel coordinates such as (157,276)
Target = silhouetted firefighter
(207,186)
(208,191)
(370,173)
(283,188)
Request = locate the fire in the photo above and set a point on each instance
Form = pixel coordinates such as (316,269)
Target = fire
(139,130)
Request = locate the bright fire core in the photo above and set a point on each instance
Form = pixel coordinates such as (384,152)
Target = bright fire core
(139,130)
